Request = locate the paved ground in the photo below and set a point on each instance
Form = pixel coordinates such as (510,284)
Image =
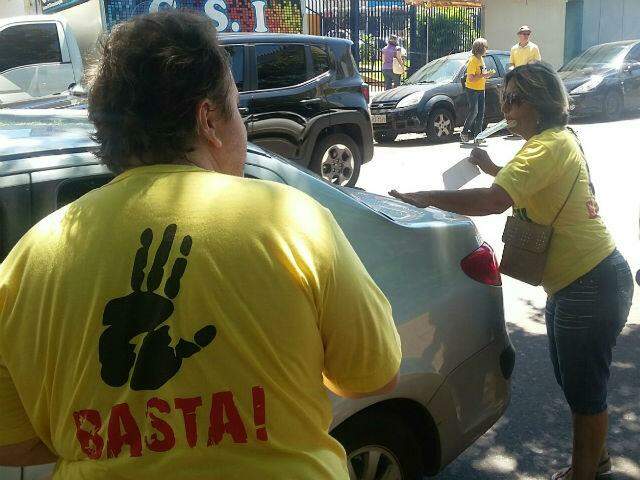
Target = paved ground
(533,438)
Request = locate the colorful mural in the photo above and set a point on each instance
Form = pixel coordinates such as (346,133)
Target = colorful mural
(279,16)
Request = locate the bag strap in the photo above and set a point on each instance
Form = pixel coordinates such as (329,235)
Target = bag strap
(584,156)
(568,196)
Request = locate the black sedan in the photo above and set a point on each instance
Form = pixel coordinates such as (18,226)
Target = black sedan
(433,101)
(604,79)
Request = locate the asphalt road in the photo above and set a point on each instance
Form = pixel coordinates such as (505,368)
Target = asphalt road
(533,438)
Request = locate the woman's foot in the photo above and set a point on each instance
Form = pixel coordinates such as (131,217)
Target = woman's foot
(604,468)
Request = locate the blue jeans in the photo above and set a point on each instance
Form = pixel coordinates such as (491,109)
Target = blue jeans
(390,79)
(475,115)
(584,320)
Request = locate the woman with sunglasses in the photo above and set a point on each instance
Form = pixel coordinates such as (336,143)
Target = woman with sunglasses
(588,282)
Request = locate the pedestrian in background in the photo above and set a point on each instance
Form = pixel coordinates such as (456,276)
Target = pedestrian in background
(391,54)
(588,282)
(476,80)
(525,51)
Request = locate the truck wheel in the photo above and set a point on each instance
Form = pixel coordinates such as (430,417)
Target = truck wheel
(440,125)
(337,159)
(385,137)
(380,446)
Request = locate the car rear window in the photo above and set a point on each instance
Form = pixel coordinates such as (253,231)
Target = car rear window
(320,60)
(280,65)
(29,44)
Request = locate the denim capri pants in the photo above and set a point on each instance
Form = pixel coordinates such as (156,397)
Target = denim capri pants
(584,320)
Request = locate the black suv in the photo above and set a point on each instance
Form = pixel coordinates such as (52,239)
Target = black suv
(302,97)
(433,100)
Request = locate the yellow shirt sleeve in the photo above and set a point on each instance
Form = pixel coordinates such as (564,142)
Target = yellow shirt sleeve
(15,426)
(531,170)
(361,343)
(536,53)
(512,60)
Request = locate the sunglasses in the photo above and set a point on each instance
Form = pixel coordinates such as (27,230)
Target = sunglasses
(511,98)
(526,34)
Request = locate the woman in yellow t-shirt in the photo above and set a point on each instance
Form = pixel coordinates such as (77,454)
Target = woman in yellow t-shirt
(588,282)
(476,80)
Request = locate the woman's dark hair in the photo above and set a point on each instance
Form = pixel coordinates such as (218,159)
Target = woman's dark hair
(143,91)
(539,85)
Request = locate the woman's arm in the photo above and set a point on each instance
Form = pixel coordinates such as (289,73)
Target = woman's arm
(474,202)
(481,158)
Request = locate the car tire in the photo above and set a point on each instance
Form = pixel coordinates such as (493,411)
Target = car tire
(612,106)
(337,159)
(440,125)
(383,438)
(385,137)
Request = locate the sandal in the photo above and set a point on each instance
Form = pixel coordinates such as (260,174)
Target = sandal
(604,468)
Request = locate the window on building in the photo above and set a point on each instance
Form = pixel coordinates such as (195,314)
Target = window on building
(30,44)
(236,62)
(280,65)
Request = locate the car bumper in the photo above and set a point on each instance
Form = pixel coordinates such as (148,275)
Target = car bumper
(459,427)
(402,120)
(584,104)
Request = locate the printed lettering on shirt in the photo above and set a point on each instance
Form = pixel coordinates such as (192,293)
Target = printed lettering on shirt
(123,436)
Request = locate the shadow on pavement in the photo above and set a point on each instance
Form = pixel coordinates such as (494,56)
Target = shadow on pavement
(533,438)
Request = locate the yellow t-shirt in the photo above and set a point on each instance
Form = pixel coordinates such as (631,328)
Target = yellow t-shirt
(177,323)
(475,66)
(538,180)
(523,55)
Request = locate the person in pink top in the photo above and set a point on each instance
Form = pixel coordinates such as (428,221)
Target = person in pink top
(391,51)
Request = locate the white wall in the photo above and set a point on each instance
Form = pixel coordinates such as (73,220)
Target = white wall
(86,22)
(609,21)
(13,8)
(502,18)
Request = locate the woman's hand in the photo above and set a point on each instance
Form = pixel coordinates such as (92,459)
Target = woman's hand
(417,199)
(481,158)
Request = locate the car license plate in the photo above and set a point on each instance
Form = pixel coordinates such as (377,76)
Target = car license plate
(378,119)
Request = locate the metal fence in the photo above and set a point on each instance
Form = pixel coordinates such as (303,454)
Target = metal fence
(425,33)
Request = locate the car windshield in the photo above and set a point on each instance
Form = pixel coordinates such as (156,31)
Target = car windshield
(598,57)
(442,70)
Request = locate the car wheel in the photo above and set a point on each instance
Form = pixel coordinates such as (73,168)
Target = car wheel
(385,137)
(337,159)
(440,125)
(612,106)
(380,447)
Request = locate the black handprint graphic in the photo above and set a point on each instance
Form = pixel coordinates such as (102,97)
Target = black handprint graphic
(144,312)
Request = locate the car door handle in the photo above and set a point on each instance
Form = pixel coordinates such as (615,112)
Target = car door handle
(243,110)
(308,101)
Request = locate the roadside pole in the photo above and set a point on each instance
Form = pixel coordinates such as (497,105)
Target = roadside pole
(305,17)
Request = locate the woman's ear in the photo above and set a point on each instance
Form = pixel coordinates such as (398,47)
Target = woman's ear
(206,124)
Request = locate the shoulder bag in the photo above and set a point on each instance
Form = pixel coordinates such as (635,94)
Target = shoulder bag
(526,246)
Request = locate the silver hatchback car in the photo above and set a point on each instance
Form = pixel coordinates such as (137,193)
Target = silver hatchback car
(441,279)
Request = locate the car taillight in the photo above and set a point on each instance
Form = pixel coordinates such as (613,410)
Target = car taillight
(482,266)
(365,91)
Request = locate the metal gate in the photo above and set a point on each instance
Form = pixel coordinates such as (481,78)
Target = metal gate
(424,33)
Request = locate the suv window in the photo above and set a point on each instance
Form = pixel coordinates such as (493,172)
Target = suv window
(504,61)
(236,62)
(320,60)
(347,65)
(72,190)
(28,45)
(280,65)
